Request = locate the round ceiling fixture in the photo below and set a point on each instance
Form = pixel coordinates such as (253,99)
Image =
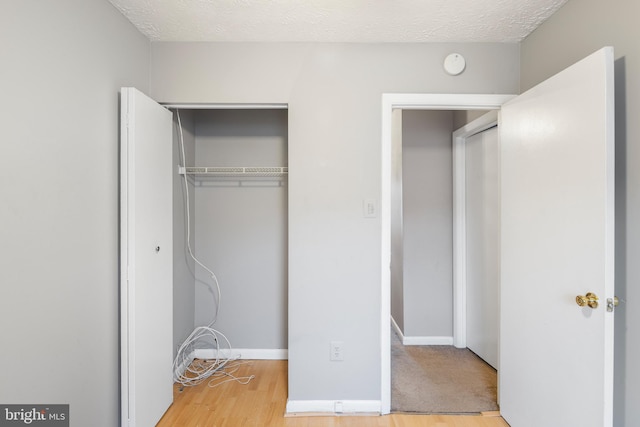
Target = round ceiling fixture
(454,64)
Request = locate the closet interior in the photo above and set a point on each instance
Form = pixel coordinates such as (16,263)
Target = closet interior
(235,163)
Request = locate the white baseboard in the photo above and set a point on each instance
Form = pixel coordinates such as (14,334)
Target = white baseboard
(396,328)
(427,340)
(244,353)
(420,340)
(333,407)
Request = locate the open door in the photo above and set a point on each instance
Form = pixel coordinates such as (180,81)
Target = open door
(146,259)
(557,180)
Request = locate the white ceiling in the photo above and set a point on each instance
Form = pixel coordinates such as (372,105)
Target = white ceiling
(338,20)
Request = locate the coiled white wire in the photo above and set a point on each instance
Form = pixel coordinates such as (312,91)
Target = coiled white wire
(200,370)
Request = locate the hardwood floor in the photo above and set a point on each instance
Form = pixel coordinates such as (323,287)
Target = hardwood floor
(262,403)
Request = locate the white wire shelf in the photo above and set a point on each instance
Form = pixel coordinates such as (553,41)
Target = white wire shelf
(234,172)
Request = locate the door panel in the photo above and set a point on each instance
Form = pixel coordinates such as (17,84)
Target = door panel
(482,202)
(556,364)
(146,259)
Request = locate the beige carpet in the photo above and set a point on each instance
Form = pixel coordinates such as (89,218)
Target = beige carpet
(440,380)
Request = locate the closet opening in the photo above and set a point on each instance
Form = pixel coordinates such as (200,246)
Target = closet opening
(208,181)
(235,219)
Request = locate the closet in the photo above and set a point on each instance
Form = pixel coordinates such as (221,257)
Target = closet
(213,179)
(237,173)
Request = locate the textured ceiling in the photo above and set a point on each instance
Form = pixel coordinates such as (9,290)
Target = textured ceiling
(338,20)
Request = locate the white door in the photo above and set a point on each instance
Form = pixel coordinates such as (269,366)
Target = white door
(557,182)
(482,243)
(146,263)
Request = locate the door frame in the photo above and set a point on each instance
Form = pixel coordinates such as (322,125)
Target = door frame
(408,101)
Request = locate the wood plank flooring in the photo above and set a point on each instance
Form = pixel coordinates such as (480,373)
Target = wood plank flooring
(262,403)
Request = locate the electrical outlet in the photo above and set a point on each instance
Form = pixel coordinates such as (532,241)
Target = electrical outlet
(337,351)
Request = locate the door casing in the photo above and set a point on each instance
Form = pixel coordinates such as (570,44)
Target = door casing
(391,101)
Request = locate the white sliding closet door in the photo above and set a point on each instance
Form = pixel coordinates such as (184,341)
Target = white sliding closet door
(146,259)
(482,201)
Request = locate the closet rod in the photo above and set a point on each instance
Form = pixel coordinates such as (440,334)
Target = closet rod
(235,171)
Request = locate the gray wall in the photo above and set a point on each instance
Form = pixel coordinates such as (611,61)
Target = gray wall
(63,63)
(334,96)
(576,30)
(242,227)
(183,264)
(427,188)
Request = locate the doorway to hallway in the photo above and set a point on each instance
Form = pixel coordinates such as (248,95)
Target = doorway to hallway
(422,305)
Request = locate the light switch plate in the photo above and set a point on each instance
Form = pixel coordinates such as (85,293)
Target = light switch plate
(370,208)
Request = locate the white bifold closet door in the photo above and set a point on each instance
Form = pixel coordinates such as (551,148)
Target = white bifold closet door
(146,264)
(482,202)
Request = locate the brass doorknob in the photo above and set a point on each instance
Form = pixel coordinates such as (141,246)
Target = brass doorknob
(590,299)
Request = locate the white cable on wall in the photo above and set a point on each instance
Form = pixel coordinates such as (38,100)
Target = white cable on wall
(222,366)
(188,212)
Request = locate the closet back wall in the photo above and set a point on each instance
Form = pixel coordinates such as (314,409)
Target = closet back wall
(241,227)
